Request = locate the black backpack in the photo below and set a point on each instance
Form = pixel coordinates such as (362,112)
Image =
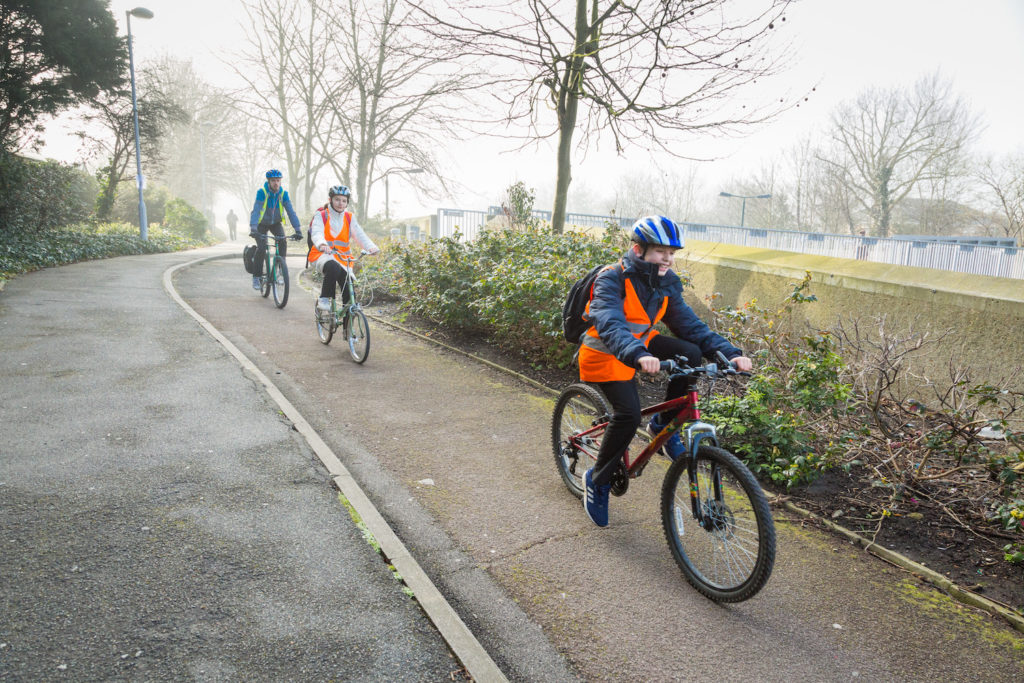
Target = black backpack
(247,257)
(574,320)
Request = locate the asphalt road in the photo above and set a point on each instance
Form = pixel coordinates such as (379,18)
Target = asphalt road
(161,521)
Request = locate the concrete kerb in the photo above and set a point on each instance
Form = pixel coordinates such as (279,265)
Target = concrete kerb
(934,578)
(455,632)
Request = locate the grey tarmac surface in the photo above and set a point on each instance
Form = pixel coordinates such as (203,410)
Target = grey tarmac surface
(159,520)
(458,458)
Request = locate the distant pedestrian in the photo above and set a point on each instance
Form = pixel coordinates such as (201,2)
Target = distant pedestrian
(232,222)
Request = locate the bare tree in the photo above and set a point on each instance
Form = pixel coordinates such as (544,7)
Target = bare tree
(631,71)
(670,193)
(888,142)
(110,135)
(288,55)
(1003,179)
(394,96)
(197,148)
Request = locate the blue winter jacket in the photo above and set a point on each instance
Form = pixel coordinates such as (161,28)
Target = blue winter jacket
(607,314)
(273,213)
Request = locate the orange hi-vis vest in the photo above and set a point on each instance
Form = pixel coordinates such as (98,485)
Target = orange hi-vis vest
(597,363)
(339,241)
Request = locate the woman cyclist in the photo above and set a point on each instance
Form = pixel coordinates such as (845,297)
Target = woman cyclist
(334,227)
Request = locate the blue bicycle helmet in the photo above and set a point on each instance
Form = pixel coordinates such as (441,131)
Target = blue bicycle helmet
(274,173)
(339,190)
(658,231)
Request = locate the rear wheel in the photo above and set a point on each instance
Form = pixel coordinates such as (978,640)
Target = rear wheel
(727,555)
(579,407)
(279,281)
(357,331)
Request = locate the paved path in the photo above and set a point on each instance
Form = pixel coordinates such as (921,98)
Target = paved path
(471,449)
(159,520)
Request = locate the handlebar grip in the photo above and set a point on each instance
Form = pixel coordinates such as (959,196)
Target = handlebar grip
(668,365)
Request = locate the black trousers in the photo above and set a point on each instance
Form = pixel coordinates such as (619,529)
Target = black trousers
(334,274)
(261,245)
(625,400)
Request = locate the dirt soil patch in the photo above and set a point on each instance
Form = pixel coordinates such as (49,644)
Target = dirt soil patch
(924,530)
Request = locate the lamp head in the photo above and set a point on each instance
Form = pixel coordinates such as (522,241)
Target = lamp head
(141,13)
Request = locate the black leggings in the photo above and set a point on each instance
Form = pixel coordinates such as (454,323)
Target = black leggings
(334,274)
(261,245)
(625,400)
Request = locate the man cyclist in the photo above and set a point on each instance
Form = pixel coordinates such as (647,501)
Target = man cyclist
(331,233)
(629,298)
(268,216)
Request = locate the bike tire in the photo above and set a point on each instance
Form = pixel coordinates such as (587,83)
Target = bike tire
(325,325)
(265,280)
(579,407)
(280,283)
(732,559)
(357,332)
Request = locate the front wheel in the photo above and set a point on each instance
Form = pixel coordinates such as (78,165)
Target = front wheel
(579,407)
(357,331)
(726,550)
(279,282)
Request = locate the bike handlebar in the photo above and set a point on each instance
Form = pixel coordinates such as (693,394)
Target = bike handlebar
(677,367)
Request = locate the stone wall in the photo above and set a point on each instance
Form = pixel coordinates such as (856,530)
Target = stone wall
(984,315)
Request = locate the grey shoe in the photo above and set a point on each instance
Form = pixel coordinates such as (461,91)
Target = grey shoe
(323,304)
(255,281)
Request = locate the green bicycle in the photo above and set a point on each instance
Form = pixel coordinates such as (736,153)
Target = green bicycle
(349,316)
(275,272)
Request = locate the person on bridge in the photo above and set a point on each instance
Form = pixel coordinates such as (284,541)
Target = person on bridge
(268,216)
(330,234)
(629,299)
(232,222)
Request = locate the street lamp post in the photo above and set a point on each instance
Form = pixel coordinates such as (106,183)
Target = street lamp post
(744,197)
(387,190)
(141,13)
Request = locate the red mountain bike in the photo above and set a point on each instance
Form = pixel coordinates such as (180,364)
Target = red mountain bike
(715,515)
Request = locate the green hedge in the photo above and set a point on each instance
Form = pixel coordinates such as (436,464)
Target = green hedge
(42,195)
(507,285)
(24,251)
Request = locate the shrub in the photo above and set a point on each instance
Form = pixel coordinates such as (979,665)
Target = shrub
(25,251)
(41,195)
(508,285)
(184,219)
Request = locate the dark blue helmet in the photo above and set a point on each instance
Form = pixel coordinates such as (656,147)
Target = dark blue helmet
(338,189)
(273,173)
(657,230)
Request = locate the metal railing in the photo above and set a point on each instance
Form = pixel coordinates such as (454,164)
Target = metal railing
(977,259)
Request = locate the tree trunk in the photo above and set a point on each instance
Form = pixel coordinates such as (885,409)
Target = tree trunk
(108,192)
(568,106)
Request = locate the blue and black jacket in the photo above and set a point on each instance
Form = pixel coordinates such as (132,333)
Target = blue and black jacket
(607,314)
(267,208)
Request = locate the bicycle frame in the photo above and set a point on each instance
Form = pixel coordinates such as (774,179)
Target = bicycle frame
(348,294)
(687,414)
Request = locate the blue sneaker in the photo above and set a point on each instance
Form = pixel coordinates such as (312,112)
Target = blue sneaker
(595,499)
(672,448)
(255,281)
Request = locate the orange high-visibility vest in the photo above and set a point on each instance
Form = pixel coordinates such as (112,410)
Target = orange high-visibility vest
(597,363)
(339,241)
